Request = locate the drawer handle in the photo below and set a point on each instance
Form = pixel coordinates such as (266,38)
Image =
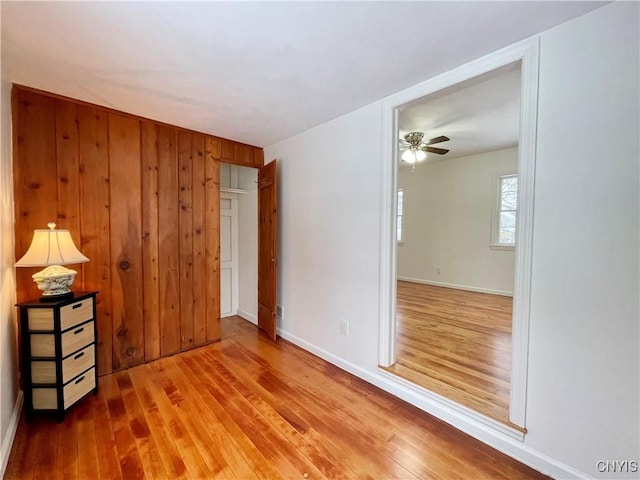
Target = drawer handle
(79,380)
(77,305)
(78,355)
(80,330)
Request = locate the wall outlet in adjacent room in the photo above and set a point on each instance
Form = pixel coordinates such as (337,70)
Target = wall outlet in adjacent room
(279,311)
(438,270)
(344,327)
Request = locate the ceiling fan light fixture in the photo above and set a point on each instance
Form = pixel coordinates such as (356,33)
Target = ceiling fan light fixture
(416,149)
(408,156)
(414,138)
(413,156)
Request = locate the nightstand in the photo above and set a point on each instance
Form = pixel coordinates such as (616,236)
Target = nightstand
(59,354)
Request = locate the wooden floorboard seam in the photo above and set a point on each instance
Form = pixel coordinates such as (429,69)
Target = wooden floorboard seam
(247,407)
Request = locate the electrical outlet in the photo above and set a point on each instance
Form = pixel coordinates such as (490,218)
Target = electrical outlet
(438,270)
(279,311)
(344,327)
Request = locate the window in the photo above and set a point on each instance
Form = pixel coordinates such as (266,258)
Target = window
(399,236)
(505,214)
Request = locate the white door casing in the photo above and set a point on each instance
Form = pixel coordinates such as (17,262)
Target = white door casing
(527,53)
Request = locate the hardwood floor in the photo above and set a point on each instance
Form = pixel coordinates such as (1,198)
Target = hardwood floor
(457,344)
(248,408)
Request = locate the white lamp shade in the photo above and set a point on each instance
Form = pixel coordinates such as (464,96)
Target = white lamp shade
(51,247)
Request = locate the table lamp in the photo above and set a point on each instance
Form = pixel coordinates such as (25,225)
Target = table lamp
(51,249)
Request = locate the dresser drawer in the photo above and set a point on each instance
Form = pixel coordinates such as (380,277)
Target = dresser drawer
(75,313)
(40,318)
(70,315)
(45,372)
(46,398)
(79,387)
(77,338)
(43,345)
(78,362)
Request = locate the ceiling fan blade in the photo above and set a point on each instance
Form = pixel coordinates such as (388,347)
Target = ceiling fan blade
(439,139)
(439,151)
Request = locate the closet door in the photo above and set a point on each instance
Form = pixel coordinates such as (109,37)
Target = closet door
(267,261)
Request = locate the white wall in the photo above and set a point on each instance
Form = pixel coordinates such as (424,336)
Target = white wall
(584,362)
(448,206)
(329,201)
(8,355)
(583,386)
(248,244)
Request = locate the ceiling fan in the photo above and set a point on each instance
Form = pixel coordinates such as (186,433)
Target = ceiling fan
(415,150)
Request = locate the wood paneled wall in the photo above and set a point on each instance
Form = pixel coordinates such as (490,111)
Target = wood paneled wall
(141,200)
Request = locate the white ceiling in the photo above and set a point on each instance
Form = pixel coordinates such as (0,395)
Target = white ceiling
(256,72)
(479,115)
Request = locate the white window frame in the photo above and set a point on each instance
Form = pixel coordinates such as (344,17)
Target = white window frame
(495,243)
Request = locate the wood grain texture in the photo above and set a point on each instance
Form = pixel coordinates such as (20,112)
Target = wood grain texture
(226,150)
(150,243)
(267,261)
(243,154)
(212,239)
(229,144)
(243,408)
(169,241)
(199,241)
(141,200)
(67,155)
(94,223)
(457,344)
(185,243)
(126,241)
(258,157)
(35,178)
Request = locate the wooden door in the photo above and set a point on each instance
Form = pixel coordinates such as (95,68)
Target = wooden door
(267,261)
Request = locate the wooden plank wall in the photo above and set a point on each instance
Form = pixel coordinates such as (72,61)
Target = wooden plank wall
(141,200)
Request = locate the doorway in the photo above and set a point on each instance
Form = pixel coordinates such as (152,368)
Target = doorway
(238,242)
(526,55)
(454,273)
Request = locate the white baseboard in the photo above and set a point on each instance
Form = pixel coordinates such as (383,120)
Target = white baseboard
(7,441)
(478,426)
(468,288)
(247,316)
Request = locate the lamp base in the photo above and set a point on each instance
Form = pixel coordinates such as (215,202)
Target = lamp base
(55,282)
(56,298)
